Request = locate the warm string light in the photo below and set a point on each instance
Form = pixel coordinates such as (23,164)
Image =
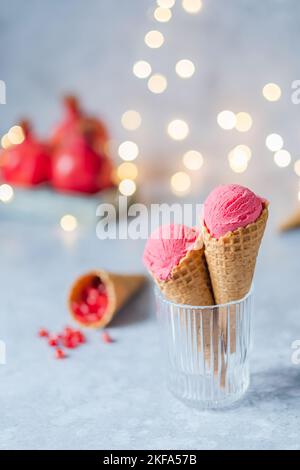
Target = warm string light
(128,150)
(239,158)
(6,193)
(274,142)
(142,69)
(282,158)
(185,68)
(192,6)
(180,183)
(226,120)
(157,83)
(271,92)
(193,160)
(297,167)
(127,187)
(166,3)
(68,223)
(16,135)
(127,170)
(163,15)
(243,122)
(131,120)
(178,129)
(5,142)
(154,39)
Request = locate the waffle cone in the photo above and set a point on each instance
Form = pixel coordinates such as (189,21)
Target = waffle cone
(190,284)
(119,287)
(231,262)
(292,222)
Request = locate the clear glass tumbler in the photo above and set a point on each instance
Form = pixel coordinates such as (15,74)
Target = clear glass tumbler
(207,350)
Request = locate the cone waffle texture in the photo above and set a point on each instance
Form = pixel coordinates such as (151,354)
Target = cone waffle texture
(292,222)
(190,282)
(119,288)
(231,259)
(190,285)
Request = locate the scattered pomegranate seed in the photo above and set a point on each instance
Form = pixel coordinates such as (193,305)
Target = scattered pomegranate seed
(69,338)
(43,333)
(52,341)
(106,338)
(59,354)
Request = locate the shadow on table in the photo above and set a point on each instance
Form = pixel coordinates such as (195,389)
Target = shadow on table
(281,384)
(140,308)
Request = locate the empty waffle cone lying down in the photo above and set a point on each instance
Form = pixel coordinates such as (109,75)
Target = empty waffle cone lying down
(97,296)
(231,261)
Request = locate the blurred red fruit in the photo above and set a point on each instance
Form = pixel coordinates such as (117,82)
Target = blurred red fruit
(76,167)
(28,163)
(75,122)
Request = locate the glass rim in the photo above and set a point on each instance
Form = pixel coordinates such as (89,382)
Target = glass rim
(160,295)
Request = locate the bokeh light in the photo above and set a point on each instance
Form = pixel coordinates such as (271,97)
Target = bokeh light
(157,83)
(185,68)
(127,187)
(68,223)
(282,158)
(166,3)
(154,39)
(226,120)
(131,120)
(238,160)
(16,135)
(243,150)
(192,6)
(5,142)
(180,182)
(193,160)
(128,150)
(297,167)
(142,69)
(6,193)
(127,170)
(274,142)
(178,129)
(243,122)
(271,92)
(163,15)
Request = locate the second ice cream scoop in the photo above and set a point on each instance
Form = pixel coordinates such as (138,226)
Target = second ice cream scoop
(229,207)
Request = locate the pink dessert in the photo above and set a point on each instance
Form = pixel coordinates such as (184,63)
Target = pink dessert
(166,247)
(229,207)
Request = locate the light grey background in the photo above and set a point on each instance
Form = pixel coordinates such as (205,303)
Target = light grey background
(113,396)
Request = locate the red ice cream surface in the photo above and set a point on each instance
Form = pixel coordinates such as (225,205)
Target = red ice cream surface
(230,207)
(166,247)
(92,304)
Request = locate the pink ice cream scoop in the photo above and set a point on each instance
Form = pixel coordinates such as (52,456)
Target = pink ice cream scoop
(230,207)
(166,247)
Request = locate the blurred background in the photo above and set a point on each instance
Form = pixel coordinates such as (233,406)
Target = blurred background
(233,49)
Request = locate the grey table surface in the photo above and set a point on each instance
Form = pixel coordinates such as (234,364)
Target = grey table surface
(114,396)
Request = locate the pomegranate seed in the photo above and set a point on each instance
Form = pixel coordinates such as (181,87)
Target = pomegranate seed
(81,337)
(106,338)
(59,354)
(68,330)
(52,341)
(43,333)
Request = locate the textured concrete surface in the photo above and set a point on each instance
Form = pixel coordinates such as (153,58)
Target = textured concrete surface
(113,396)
